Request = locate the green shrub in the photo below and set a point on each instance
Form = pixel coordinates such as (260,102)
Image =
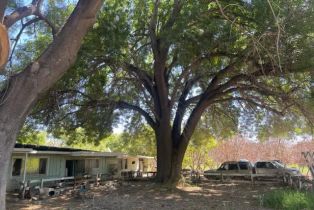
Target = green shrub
(288,200)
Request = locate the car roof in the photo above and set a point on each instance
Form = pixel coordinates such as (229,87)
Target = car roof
(236,162)
(231,161)
(244,160)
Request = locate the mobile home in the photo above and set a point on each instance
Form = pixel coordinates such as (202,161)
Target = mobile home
(33,163)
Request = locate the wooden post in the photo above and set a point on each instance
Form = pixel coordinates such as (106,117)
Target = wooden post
(24,171)
(299,183)
(290,180)
(42,183)
(252,179)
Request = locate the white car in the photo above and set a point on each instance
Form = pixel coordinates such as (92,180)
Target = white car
(275,168)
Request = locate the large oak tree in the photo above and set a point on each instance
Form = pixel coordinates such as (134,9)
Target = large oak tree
(171,62)
(23,88)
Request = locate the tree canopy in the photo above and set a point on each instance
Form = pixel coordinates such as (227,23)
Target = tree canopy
(250,55)
(167,64)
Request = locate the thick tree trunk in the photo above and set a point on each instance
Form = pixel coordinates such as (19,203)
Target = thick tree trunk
(164,153)
(169,158)
(169,165)
(10,125)
(25,88)
(170,152)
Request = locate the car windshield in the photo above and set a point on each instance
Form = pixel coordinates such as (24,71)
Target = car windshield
(278,164)
(222,167)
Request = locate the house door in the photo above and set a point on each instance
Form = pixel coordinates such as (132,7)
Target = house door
(69,167)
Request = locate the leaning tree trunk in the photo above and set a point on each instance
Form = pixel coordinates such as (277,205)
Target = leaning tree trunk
(7,141)
(26,87)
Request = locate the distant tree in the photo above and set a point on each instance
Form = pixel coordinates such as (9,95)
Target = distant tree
(237,148)
(197,154)
(288,127)
(140,142)
(30,136)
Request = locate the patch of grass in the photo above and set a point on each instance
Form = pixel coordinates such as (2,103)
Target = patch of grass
(288,200)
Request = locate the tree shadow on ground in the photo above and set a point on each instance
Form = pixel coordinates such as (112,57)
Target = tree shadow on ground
(149,195)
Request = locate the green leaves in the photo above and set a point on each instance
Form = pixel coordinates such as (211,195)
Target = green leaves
(197,154)
(206,38)
(139,142)
(29,135)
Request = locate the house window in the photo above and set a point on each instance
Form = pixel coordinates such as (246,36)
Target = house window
(91,164)
(17,166)
(36,165)
(42,165)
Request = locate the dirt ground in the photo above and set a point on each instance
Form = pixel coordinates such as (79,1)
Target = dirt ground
(147,195)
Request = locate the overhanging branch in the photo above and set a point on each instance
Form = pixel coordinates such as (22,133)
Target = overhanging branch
(3,5)
(21,13)
(125,105)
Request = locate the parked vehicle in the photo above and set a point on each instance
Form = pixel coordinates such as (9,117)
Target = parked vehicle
(275,168)
(232,170)
(186,172)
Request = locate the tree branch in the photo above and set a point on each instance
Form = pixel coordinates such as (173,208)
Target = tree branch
(3,5)
(145,78)
(39,76)
(176,8)
(17,38)
(48,22)
(125,105)
(153,27)
(249,100)
(182,105)
(33,9)
(20,13)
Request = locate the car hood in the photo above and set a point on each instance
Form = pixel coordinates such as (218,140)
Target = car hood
(293,170)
